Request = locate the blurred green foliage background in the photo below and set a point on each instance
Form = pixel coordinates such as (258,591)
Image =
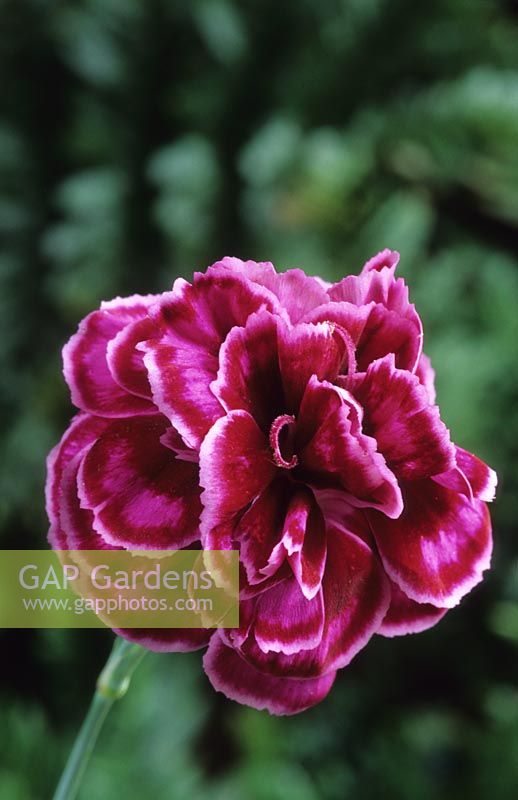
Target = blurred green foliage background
(141,140)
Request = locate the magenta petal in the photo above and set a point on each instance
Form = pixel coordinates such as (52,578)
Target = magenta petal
(259,532)
(388,332)
(286,621)
(85,364)
(256,271)
(376,285)
(306,350)
(203,313)
(194,322)
(126,362)
(168,640)
(235,466)
(456,480)
(356,596)
(471,476)
(230,674)
(283,524)
(82,431)
(334,453)
(180,379)
(426,374)
(408,430)
(304,539)
(406,616)
(337,510)
(438,549)
(386,258)
(393,325)
(77,523)
(483,479)
(297,292)
(349,317)
(142,496)
(249,376)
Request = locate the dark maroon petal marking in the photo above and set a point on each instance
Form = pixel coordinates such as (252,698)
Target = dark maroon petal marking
(286,621)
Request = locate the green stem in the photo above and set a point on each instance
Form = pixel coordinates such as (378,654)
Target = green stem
(112,684)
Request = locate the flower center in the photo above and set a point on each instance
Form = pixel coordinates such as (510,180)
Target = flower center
(282,434)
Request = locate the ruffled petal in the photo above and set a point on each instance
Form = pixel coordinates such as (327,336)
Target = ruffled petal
(334,453)
(180,380)
(376,284)
(265,365)
(356,595)
(386,258)
(409,431)
(305,350)
(406,616)
(249,375)
(168,640)
(305,541)
(256,271)
(393,325)
(286,621)
(230,674)
(126,361)
(471,476)
(142,496)
(77,523)
(347,316)
(281,534)
(438,549)
(235,466)
(337,510)
(259,532)
(456,480)
(426,374)
(85,365)
(388,332)
(483,480)
(194,321)
(297,292)
(82,431)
